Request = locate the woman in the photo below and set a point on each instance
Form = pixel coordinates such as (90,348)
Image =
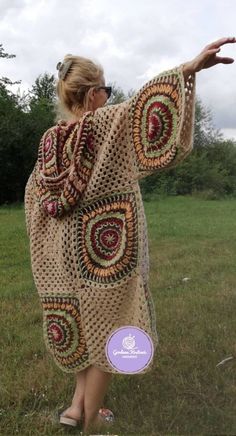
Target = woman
(85,217)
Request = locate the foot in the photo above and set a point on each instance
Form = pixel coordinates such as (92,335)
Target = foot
(96,425)
(104,418)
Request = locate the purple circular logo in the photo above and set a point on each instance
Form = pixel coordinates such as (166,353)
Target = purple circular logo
(129,349)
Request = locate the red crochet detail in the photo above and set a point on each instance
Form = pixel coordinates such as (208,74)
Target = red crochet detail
(65,162)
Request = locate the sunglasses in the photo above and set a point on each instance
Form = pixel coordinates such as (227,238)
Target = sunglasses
(108,90)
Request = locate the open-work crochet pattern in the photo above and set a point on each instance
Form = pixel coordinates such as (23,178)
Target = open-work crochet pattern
(85,217)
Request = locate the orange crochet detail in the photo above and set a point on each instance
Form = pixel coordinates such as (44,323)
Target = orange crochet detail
(86,221)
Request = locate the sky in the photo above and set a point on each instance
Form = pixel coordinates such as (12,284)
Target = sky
(134,40)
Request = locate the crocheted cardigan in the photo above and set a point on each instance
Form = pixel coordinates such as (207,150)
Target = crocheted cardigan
(86,222)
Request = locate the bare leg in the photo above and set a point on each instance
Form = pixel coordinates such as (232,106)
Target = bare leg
(97,383)
(77,405)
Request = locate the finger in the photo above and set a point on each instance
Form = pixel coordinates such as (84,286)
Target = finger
(221,41)
(224,60)
(212,51)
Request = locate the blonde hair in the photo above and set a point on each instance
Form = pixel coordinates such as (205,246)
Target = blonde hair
(74,89)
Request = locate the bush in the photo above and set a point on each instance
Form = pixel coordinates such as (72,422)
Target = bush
(208,194)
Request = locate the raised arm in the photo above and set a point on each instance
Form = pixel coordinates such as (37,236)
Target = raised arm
(161,114)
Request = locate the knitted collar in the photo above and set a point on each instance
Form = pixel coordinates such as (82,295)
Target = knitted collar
(65,162)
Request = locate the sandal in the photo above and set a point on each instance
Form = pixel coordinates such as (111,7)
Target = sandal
(105,414)
(71,422)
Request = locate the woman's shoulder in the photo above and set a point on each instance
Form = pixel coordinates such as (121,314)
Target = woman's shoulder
(112,111)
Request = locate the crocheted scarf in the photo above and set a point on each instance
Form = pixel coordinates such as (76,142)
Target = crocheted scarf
(65,162)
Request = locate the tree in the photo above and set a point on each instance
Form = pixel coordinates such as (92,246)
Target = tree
(118,95)
(22,123)
(40,115)
(44,88)
(10,138)
(4,80)
(211,166)
(204,130)
(12,128)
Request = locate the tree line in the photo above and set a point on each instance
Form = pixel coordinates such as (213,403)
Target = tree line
(210,170)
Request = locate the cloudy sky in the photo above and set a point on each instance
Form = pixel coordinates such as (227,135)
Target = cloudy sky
(133,39)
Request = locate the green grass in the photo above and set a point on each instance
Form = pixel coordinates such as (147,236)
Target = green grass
(185,394)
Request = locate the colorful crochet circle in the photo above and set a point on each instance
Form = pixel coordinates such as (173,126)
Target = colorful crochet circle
(155,118)
(65,160)
(108,238)
(63,331)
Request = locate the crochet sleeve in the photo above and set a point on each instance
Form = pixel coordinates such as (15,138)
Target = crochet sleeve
(160,123)
(29,201)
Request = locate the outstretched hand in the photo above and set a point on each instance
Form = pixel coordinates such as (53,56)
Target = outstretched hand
(208,56)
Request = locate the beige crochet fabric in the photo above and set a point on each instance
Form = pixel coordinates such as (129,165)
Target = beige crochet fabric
(89,249)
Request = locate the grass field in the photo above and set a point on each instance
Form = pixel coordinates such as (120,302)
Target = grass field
(192,248)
